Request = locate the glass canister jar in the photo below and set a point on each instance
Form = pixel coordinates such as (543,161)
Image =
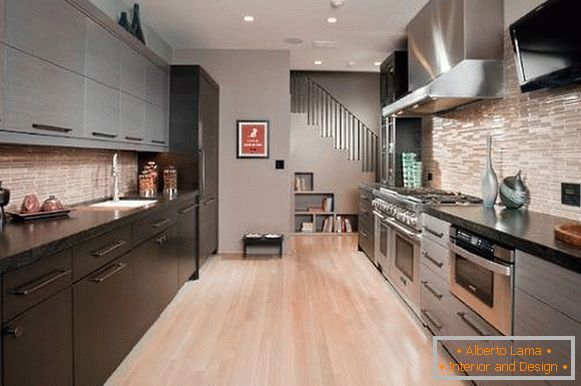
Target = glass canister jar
(170,181)
(146,185)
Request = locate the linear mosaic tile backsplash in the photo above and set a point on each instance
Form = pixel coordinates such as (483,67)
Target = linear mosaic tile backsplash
(73,175)
(537,132)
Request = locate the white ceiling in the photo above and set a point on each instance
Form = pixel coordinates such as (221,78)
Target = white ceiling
(366,31)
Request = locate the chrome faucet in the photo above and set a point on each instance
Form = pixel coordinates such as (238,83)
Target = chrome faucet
(115,174)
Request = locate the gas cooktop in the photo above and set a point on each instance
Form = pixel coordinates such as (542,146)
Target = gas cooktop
(432,196)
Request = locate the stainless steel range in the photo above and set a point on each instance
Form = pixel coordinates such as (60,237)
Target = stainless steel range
(398,234)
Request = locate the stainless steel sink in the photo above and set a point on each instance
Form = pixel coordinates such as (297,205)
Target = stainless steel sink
(128,204)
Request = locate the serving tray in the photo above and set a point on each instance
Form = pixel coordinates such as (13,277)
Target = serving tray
(17,216)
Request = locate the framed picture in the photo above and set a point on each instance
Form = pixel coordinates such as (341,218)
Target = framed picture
(252,139)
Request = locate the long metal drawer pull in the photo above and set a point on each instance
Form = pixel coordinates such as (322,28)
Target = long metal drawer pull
(472,324)
(109,248)
(157,142)
(51,128)
(187,209)
(432,290)
(116,268)
(363,234)
(437,234)
(133,139)
(432,320)
(41,282)
(481,261)
(161,223)
(103,135)
(437,263)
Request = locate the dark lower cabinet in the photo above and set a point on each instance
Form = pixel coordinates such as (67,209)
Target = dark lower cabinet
(166,263)
(105,316)
(38,345)
(186,245)
(208,233)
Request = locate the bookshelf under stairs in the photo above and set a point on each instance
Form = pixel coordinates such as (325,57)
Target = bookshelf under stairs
(314,211)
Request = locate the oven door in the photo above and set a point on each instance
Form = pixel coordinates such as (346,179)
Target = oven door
(382,243)
(483,285)
(405,273)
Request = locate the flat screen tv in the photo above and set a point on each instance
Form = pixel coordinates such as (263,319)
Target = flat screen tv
(547,45)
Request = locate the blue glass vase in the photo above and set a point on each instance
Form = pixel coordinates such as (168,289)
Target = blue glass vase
(124,22)
(489,179)
(136,24)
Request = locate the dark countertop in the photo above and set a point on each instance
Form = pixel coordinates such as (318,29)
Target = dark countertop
(528,231)
(22,243)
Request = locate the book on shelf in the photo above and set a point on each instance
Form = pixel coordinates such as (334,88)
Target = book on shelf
(348,226)
(301,184)
(315,209)
(327,225)
(307,227)
(327,204)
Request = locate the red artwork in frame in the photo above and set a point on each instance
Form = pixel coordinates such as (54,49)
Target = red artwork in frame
(252,139)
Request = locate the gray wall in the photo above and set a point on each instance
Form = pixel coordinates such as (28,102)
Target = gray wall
(254,197)
(113,8)
(358,91)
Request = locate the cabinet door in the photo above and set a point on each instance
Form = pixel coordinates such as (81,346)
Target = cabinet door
(131,118)
(209,121)
(156,128)
(145,291)
(167,263)
(50,29)
(157,83)
(187,242)
(42,98)
(101,113)
(132,72)
(102,61)
(38,345)
(208,229)
(105,311)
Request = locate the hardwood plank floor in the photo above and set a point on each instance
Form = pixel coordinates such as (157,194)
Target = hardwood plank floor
(320,316)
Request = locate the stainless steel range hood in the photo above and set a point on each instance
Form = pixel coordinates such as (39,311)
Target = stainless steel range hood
(455,50)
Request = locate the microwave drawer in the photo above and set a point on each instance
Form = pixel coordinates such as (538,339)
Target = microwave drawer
(435,229)
(435,257)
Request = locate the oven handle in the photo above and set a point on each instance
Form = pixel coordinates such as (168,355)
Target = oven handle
(401,229)
(382,217)
(501,269)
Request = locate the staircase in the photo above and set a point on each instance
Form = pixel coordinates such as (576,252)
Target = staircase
(334,120)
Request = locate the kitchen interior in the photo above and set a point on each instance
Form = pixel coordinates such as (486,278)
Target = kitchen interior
(218,198)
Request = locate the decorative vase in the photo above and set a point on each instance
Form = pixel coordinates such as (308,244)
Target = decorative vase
(489,179)
(124,21)
(513,192)
(136,24)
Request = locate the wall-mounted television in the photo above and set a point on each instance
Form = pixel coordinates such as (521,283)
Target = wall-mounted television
(547,45)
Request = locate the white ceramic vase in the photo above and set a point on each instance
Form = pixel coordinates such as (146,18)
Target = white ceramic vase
(489,179)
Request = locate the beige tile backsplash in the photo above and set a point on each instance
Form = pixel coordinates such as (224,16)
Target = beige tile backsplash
(537,132)
(73,175)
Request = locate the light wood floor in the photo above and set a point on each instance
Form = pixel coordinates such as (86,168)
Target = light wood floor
(320,316)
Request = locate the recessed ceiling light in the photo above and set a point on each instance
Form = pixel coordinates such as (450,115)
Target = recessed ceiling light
(337,3)
(377,64)
(318,62)
(249,18)
(294,41)
(331,20)
(351,63)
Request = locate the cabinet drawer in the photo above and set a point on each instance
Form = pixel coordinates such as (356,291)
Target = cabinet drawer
(549,283)
(34,283)
(435,257)
(153,224)
(435,229)
(365,196)
(435,299)
(534,318)
(367,221)
(38,345)
(100,250)
(365,208)
(466,322)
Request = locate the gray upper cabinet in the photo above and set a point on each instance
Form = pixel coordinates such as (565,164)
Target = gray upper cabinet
(102,62)
(42,98)
(101,113)
(132,73)
(157,85)
(50,29)
(131,119)
(156,125)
